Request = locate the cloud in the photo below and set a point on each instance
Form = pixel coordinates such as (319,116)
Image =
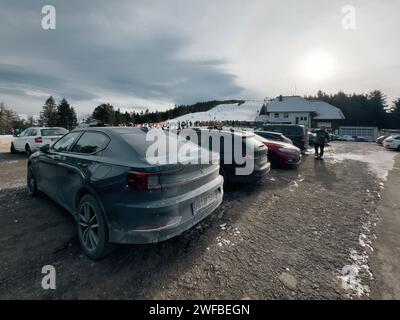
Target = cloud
(158,53)
(93,55)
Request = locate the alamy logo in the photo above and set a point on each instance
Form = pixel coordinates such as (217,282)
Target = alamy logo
(349,18)
(49,280)
(49,20)
(200,147)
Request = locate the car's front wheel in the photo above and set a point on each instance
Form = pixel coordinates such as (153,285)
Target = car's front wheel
(92,228)
(31,182)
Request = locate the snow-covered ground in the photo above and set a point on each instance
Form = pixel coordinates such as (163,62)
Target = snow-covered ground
(247,111)
(380,161)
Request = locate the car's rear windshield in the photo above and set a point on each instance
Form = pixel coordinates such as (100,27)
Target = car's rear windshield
(53,132)
(286,130)
(138,142)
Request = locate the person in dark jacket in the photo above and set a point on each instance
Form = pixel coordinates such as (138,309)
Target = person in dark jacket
(322,137)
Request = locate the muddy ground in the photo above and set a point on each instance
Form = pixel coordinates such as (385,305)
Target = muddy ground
(326,230)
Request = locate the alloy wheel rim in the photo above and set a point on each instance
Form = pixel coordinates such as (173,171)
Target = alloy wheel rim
(89,227)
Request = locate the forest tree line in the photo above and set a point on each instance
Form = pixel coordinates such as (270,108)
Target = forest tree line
(107,114)
(370,109)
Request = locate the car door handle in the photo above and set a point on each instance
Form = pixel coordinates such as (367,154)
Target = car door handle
(82,165)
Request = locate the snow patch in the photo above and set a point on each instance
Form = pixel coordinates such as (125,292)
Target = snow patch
(351,275)
(379,162)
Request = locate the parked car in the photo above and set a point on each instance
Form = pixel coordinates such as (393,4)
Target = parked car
(380,139)
(392,142)
(31,139)
(281,154)
(312,137)
(101,176)
(228,165)
(360,139)
(296,133)
(276,136)
(344,138)
(332,136)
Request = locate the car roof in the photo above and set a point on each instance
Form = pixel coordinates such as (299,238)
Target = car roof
(270,132)
(283,125)
(40,128)
(237,132)
(118,130)
(278,143)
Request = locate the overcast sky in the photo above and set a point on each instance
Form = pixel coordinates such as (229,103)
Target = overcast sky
(158,53)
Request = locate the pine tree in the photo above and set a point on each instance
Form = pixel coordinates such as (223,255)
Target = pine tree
(48,116)
(66,116)
(104,113)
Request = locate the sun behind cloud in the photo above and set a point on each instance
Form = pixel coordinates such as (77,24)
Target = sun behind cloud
(318,65)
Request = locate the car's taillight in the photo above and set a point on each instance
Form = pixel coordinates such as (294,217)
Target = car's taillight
(143,181)
(38,140)
(302,138)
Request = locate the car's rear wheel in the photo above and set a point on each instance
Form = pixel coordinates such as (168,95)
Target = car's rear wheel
(31,182)
(92,228)
(12,148)
(28,150)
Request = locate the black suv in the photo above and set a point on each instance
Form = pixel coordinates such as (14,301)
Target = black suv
(227,167)
(296,133)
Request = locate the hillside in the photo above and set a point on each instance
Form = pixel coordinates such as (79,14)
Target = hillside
(247,111)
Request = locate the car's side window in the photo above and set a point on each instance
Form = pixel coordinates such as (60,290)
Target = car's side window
(23,134)
(65,143)
(91,142)
(32,132)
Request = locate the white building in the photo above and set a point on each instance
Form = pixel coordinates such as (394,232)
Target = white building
(297,110)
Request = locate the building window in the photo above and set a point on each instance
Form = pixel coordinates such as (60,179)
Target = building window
(286,115)
(276,115)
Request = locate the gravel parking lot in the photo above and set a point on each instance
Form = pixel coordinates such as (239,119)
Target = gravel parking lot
(327,230)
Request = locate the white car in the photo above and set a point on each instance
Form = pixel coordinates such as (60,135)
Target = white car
(31,139)
(345,138)
(392,142)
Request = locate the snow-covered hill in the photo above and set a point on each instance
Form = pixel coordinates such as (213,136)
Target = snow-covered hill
(247,111)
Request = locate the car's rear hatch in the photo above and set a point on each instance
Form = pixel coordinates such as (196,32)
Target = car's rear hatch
(180,172)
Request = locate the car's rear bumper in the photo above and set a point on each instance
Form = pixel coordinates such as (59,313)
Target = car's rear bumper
(257,175)
(164,218)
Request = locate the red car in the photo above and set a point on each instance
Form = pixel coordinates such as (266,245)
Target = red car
(281,153)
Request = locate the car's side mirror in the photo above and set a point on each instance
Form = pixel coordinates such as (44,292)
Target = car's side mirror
(45,148)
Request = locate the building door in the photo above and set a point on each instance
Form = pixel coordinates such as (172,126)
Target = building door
(297,120)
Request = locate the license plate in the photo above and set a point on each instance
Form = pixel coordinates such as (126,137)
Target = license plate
(204,202)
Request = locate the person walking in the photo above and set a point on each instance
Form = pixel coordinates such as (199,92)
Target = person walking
(322,138)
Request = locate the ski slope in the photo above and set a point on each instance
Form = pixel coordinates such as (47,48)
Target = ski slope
(247,111)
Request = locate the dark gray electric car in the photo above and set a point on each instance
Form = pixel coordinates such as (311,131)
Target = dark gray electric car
(102,177)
